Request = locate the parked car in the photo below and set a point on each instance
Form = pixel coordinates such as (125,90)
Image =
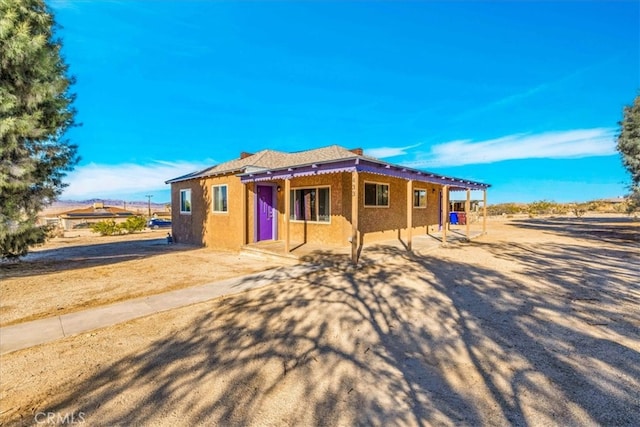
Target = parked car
(156,223)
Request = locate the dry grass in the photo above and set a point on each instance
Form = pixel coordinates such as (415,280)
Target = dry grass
(73,273)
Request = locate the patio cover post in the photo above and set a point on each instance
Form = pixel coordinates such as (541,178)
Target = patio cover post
(409,213)
(445,212)
(467,209)
(287,215)
(245,213)
(484,212)
(354,216)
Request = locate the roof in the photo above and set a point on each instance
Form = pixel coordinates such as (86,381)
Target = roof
(97,212)
(271,159)
(269,164)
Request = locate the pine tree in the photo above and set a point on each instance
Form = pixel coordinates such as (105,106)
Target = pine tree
(35,112)
(629,148)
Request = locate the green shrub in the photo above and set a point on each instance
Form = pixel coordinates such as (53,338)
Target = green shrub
(134,224)
(109,227)
(546,207)
(106,228)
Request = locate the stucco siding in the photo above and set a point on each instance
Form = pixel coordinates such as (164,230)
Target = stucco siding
(331,233)
(387,223)
(228,230)
(203,226)
(224,229)
(188,227)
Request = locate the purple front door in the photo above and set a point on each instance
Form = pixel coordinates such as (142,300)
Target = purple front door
(265,212)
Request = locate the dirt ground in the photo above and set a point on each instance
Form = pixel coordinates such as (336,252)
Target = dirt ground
(84,270)
(536,323)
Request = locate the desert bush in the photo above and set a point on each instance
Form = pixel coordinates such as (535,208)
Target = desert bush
(547,207)
(109,227)
(579,209)
(541,207)
(55,232)
(106,228)
(134,224)
(505,209)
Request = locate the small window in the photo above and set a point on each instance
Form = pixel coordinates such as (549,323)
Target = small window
(419,198)
(310,204)
(376,194)
(220,198)
(185,201)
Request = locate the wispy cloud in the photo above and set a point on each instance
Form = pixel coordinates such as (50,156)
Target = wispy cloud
(97,180)
(560,83)
(384,152)
(561,144)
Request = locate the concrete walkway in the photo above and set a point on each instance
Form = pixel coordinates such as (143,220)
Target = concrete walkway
(29,334)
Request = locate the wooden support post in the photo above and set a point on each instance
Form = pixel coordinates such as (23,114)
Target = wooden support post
(287,215)
(467,212)
(245,215)
(430,190)
(409,213)
(354,216)
(484,212)
(445,212)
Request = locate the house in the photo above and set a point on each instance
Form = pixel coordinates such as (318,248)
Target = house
(329,196)
(84,217)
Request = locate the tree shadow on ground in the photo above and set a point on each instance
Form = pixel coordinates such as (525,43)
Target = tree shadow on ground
(86,256)
(398,340)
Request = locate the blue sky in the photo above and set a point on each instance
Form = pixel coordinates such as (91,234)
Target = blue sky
(525,96)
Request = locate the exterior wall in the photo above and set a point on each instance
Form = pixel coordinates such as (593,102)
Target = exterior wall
(188,228)
(202,226)
(331,233)
(386,223)
(375,223)
(225,230)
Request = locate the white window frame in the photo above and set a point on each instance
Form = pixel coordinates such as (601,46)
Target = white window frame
(292,208)
(186,191)
(364,194)
(213,199)
(425,198)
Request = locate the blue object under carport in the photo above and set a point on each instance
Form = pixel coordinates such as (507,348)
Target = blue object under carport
(453,218)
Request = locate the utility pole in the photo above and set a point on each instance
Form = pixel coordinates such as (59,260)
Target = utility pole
(149,196)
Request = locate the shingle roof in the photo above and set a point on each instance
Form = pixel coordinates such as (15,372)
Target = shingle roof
(266,161)
(271,159)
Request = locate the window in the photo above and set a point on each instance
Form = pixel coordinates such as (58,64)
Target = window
(419,198)
(310,204)
(220,198)
(185,201)
(376,194)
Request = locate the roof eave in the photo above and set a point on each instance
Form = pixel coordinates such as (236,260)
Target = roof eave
(198,175)
(359,162)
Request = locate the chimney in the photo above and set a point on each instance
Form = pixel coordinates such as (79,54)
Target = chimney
(357,151)
(244,155)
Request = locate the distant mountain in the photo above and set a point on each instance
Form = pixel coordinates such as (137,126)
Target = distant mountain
(141,206)
(109,202)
